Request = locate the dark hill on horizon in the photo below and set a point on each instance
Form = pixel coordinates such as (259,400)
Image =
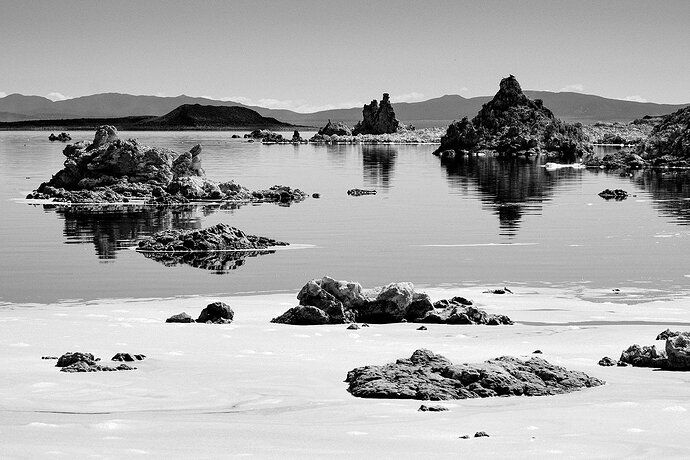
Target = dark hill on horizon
(187,116)
(438,111)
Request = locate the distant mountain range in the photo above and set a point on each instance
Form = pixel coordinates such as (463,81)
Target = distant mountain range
(187,116)
(438,111)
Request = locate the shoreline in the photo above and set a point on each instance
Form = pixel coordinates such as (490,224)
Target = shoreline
(258,388)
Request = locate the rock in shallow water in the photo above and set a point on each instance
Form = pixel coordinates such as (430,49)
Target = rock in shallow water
(216,313)
(646,356)
(425,408)
(180,318)
(86,362)
(429,376)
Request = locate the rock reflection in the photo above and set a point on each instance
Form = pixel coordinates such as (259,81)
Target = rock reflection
(670,190)
(510,188)
(112,228)
(378,163)
(219,262)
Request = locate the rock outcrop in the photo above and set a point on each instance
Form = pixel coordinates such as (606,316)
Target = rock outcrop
(128,357)
(338,128)
(377,118)
(669,141)
(111,170)
(512,124)
(216,313)
(678,352)
(360,192)
(616,194)
(328,301)
(646,356)
(668,333)
(180,318)
(429,376)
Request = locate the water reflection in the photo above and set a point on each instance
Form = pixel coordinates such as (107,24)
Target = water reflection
(378,163)
(112,228)
(509,188)
(217,261)
(670,190)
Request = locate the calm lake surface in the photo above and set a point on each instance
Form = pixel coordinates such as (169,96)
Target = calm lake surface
(478,221)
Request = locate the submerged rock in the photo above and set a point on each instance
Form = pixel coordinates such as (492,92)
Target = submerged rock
(430,408)
(616,194)
(86,362)
(377,118)
(360,192)
(127,357)
(429,376)
(342,302)
(512,124)
(481,434)
(216,313)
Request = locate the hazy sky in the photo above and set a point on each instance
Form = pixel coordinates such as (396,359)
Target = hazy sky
(314,54)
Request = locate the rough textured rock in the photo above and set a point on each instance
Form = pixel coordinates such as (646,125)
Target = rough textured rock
(668,333)
(127,357)
(180,318)
(70,358)
(481,434)
(62,137)
(353,326)
(622,159)
(216,313)
(342,302)
(512,124)
(111,170)
(377,118)
(265,135)
(669,141)
(616,194)
(220,237)
(647,356)
(428,376)
(338,128)
(678,352)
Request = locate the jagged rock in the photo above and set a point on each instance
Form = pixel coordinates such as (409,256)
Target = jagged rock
(481,434)
(647,356)
(616,194)
(606,361)
(428,376)
(127,357)
(296,137)
(220,237)
(668,333)
(512,124)
(62,137)
(111,170)
(505,290)
(430,408)
(669,141)
(346,302)
(180,318)
(422,328)
(265,135)
(216,313)
(338,128)
(678,352)
(360,192)
(377,118)
(70,358)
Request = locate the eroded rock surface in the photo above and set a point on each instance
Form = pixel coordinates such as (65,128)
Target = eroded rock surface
(86,362)
(428,376)
(645,356)
(329,301)
(668,333)
(62,137)
(617,194)
(216,313)
(338,128)
(180,318)
(110,169)
(377,118)
(512,124)
(219,237)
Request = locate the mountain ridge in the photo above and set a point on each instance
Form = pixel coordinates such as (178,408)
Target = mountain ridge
(569,106)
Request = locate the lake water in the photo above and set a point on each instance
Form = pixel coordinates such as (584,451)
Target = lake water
(478,221)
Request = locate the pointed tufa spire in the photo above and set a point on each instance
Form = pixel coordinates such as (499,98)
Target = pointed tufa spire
(377,118)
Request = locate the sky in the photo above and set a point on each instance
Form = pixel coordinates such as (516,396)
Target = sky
(317,54)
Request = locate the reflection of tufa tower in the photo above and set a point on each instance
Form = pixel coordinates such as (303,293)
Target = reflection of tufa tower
(378,163)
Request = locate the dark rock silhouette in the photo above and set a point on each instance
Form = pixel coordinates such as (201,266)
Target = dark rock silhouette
(668,333)
(377,118)
(616,194)
(180,318)
(512,124)
(216,313)
(86,362)
(669,141)
(127,357)
(219,237)
(646,356)
(62,137)
(429,376)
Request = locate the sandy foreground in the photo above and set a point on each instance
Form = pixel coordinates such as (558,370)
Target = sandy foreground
(266,390)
